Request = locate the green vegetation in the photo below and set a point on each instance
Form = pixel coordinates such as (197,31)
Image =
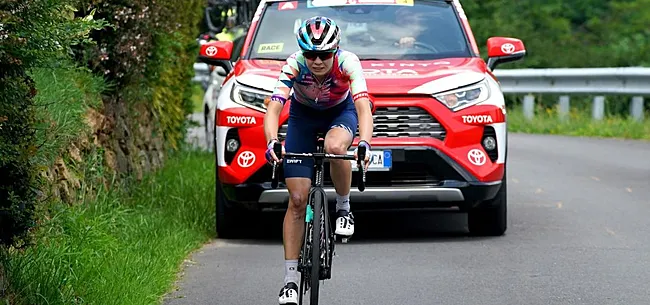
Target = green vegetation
(197,98)
(65,92)
(33,34)
(103,82)
(98,92)
(577,123)
(616,122)
(569,34)
(122,247)
(560,33)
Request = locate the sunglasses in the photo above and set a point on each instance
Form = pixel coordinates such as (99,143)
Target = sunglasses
(311,55)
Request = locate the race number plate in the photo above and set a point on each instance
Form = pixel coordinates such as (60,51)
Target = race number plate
(382,160)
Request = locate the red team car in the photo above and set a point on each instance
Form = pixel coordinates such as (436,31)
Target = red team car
(440,137)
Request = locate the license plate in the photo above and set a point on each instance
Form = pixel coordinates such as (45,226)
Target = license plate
(382,160)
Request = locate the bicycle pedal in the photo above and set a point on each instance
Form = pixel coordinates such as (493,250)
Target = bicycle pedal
(344,238)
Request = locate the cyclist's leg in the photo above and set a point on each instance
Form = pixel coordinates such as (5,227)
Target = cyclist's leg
(338,140)
(297,173)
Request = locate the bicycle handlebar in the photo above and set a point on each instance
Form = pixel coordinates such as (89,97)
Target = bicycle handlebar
(361,153)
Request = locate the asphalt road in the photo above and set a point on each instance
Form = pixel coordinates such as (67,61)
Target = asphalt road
(578,233)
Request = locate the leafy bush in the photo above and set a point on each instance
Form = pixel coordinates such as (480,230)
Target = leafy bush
(32,32)
(130,60)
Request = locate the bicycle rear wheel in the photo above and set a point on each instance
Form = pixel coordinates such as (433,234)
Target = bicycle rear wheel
(316,246)
(304,265)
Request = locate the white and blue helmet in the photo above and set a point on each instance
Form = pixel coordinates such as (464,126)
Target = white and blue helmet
(318,34)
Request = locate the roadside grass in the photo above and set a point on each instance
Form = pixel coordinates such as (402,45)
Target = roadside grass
(578,123)
(65,92)
(124,246)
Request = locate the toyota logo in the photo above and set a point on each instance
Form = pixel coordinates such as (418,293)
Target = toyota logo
(476,157)
(212,51)
(507,48)
(246,159)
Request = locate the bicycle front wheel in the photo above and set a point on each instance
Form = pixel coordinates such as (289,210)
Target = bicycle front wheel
(316,238)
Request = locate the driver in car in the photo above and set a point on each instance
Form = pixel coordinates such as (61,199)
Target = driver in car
(408,25)
(412,21)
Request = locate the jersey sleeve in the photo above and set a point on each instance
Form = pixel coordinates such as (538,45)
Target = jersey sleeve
(352,68)
(285,81)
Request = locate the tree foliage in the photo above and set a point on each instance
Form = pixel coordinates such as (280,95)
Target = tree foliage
(560,33)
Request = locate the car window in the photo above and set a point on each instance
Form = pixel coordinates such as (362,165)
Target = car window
(238,44)
(370,31)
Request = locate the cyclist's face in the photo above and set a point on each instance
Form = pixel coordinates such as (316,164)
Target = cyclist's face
(319,63)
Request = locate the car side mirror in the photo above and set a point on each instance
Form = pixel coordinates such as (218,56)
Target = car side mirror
(217,53)
(504,49)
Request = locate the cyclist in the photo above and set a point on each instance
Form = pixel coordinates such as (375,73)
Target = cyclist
(329,95)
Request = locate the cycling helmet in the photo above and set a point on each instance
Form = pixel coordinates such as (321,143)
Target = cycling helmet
(318,34)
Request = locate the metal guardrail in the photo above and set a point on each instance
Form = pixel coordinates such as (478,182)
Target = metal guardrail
(632,81)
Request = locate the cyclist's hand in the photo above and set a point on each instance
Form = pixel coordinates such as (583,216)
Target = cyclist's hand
(368,154)
(406,41)
(270,155)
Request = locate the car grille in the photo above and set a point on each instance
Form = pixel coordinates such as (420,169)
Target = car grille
(402,173)
(396,122)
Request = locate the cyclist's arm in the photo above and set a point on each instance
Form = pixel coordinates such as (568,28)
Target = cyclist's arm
(279,97)
(359,89)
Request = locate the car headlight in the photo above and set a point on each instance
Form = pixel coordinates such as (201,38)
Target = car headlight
(250,97)
(464,97)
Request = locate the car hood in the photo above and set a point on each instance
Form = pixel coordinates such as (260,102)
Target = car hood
(383,77)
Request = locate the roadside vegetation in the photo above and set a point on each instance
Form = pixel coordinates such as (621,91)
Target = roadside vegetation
(98,202)
(578,123)
(122,246)
(570,34)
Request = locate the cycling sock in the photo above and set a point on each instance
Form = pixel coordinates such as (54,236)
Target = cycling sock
(291,271)
(343,202)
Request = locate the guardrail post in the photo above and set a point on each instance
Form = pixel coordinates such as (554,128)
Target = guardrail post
(636,108)
(563,110)
(529,106)
(598,109)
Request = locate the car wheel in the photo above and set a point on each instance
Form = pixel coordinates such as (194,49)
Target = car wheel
(490,218)
(228,219)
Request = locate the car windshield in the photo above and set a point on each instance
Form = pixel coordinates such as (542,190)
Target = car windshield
(370,31)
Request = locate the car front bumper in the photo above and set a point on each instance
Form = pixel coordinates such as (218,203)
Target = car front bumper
(429,179)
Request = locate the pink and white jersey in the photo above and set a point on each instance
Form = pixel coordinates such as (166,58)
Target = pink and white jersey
(345,77)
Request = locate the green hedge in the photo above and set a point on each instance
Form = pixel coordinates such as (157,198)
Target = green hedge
(60,57)
(32,33)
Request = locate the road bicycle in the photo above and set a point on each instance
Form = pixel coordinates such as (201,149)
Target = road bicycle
(317,208)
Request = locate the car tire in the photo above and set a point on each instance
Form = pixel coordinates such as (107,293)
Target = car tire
(229,220)
(491,217)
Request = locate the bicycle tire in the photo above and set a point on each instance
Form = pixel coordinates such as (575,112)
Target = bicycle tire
(316,248)
(305,257)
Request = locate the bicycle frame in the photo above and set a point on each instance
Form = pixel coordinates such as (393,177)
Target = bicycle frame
(312,273)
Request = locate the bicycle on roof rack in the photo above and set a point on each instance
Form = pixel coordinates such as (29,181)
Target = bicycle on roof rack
(315,263)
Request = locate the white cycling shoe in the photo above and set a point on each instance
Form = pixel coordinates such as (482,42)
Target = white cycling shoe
(344,223)
(289,294)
